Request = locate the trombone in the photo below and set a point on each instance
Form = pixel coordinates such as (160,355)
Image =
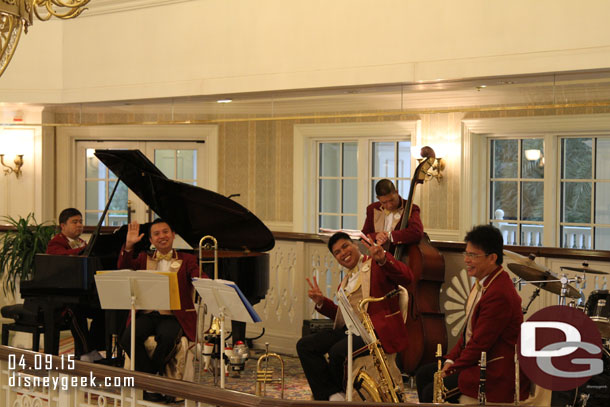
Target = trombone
(208,243)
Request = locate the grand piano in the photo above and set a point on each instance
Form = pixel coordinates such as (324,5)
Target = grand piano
(193,212)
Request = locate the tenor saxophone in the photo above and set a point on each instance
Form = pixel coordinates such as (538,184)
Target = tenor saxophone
(386,390)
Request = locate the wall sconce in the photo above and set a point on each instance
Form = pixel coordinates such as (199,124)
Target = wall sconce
(436,171)
(18,164)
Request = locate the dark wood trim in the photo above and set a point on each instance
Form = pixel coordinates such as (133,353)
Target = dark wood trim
(552,252)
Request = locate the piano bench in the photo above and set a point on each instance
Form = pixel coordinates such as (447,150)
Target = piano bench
(26,320)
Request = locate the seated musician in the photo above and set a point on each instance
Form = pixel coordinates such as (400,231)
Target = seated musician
(494,317)
(88,340)
(373,275)
(383,218)
(166,326)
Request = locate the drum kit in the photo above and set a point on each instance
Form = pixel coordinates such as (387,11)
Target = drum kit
(596,307)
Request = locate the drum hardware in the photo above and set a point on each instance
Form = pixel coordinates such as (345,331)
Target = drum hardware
(265,375)
(544,279)
(584,269)
(535,294)
(598,309)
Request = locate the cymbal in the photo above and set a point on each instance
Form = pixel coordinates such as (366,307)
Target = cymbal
(584,270)
(534,274)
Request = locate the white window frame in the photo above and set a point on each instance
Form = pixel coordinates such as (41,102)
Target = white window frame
(475,168)
(306,137)
(66,165)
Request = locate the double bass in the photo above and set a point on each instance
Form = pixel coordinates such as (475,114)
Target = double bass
(425,321)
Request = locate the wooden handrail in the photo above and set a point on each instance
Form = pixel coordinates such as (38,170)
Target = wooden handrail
(177,388)
(552,252)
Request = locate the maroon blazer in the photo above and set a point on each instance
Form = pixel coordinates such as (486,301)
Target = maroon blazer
(385,315)
(186,315)
(411,234)
(496,322)
(61,245)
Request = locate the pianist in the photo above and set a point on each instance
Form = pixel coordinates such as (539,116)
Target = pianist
(68,241)
(87,339)
(166,326)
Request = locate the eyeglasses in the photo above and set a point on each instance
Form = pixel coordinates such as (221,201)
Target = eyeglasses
(473,255)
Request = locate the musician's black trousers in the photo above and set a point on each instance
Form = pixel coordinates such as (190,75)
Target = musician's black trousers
(87,338)
(425,384)
(325,377)
(166,330)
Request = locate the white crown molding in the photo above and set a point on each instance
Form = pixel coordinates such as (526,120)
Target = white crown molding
(98,7)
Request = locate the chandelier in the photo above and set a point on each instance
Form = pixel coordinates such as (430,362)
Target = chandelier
(17,16)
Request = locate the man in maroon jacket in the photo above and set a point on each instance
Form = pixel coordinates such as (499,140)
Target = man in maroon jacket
(374,275)
(88,340)
(493,321)
(68,241)
(167,326)
(383,218)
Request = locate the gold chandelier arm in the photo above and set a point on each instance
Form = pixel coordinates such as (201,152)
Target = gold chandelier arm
(9,38)
(75,8)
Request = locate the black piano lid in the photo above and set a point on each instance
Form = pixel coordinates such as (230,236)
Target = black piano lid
(193,212)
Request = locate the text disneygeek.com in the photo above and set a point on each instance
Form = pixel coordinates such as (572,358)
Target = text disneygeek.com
(65,382)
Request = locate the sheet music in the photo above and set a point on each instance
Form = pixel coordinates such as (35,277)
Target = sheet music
(217,294)
(352,322)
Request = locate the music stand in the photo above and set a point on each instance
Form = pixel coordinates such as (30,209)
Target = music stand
(354,326)
(224,298)
(132,290)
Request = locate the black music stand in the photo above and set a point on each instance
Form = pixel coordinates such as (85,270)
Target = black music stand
(225,299)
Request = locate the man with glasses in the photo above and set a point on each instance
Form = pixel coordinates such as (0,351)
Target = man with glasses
(383,219)
(493,321)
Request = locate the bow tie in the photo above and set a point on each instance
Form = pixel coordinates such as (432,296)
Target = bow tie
(167,256)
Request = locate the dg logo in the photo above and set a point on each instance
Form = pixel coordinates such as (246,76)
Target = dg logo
(560,348)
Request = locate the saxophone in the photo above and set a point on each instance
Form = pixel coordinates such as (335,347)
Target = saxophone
(440,390)
(386,390)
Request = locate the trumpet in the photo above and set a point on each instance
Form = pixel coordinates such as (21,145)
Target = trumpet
(265,375)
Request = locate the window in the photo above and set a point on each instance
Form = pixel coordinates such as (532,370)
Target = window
(337,165)
(547,179)
(391,160)
(99,183)
(585,193)
(337,185)
(516,189)
(338,178)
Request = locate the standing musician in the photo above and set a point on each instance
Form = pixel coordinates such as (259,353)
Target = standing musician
(166,326)
(88,340)
(383,218)
(373,275)
(493,321)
